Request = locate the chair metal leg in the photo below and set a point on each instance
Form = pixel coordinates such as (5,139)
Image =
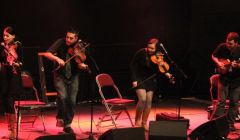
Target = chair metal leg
(213,111)
(19,120)
(42,119)
(111,115)
(118,114)
(35,118)
(129,117)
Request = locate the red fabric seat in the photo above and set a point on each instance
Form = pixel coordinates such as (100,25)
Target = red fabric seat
(30,103)
(119,101)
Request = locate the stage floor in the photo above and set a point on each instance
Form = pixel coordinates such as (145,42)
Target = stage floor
(190,108)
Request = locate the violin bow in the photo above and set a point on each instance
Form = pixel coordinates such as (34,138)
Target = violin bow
(70,58)
(141,82)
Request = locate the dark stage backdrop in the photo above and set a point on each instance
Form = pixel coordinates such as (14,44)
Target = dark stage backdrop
(210,23)
(189,30)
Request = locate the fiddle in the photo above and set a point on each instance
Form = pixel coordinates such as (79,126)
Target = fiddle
(163,66)
(11,55)
(79,52)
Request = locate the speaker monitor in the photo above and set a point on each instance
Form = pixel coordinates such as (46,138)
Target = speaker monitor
(58,137)
(168,130)
(123,134)
(216,129)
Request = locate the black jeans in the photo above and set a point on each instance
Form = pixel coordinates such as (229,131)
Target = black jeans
(67,90)
(11,88)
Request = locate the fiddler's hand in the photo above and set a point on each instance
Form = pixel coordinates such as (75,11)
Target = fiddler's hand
(60,62)
(16,64)
(235,64)
(82,66)
(134,84)
(168,75)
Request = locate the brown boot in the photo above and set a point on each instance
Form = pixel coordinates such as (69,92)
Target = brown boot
(11,126)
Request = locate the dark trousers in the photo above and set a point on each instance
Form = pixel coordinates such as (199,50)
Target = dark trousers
(67,90)
(11,86)
(228,91)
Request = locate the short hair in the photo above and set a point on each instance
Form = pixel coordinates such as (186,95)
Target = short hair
(233,36)
(73,30)
(9,30)
(153,41)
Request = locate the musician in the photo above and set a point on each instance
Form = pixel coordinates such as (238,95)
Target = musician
(144,79)
(226,57)
(66,79)
(10,76)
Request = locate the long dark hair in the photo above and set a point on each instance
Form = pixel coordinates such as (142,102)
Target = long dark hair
(10,30)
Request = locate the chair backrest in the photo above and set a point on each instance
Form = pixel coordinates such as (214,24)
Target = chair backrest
(27,82)
(213,84)
(105,80)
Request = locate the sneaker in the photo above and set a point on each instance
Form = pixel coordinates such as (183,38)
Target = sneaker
(138,124)
(68,130)
(60,123)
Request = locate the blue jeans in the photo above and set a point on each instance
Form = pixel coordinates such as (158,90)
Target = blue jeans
(67,90)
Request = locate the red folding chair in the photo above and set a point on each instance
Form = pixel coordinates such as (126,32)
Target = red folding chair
(29,104)
(113,101)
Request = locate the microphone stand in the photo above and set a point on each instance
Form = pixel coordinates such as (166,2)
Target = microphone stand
(91,136)
(182,75)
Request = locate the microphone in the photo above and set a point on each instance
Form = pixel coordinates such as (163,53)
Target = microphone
(3,44)
(161,45)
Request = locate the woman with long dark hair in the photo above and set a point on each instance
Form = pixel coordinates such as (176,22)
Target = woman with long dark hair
(10,76)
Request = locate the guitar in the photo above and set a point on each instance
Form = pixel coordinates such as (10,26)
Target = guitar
(227,67)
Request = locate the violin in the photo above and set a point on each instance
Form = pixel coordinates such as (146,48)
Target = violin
(78,52)
(11,55)
(163,66)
